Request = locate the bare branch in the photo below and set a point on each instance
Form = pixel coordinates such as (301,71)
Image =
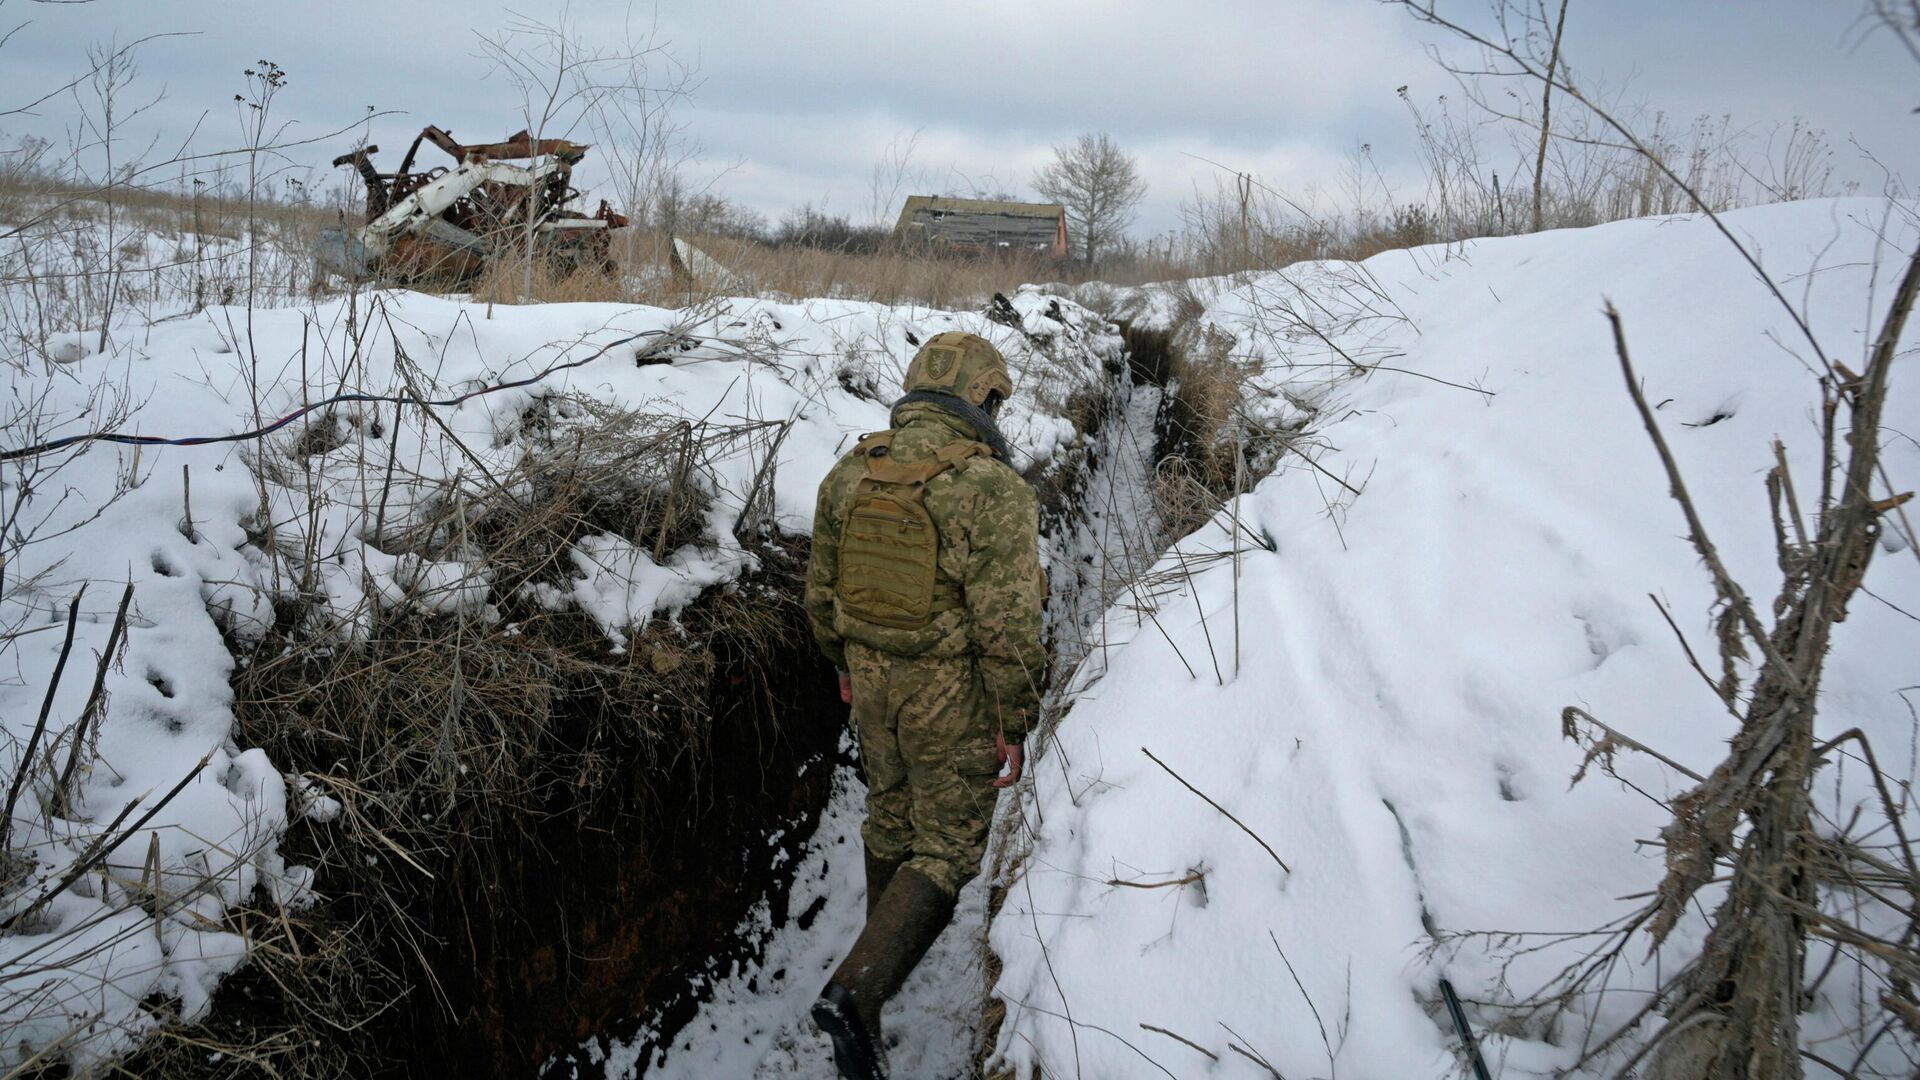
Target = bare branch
(1223,810)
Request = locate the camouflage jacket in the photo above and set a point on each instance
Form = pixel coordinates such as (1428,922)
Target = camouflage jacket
(989,546)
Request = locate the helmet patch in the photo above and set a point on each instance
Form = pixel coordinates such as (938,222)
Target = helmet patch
(941,362)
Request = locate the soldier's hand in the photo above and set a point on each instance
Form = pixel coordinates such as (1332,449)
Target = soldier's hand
(846,689)
(1012,755)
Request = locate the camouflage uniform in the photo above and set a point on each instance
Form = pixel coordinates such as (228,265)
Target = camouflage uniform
(928,702)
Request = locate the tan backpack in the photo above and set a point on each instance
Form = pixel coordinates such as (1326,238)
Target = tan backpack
(890,546)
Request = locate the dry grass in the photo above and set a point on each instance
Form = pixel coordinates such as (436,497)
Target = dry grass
(454,743)
(164,208)
(505,281)
(888,277)
(893,276)
(1211,448)
(78,257)
(286,1014)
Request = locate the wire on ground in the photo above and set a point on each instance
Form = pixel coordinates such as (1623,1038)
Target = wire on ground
(338,399)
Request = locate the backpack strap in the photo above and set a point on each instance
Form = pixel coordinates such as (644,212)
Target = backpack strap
(888,471)
(954,453)
(875,449)
(882,467)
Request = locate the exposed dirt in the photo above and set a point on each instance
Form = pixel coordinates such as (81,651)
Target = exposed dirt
(619,914)
(650,831)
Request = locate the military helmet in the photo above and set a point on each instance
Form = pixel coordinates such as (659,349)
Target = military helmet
(966,366)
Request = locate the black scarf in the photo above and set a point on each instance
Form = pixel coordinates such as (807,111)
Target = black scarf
(979,418)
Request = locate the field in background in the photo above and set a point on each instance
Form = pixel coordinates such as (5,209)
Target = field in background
(79,241)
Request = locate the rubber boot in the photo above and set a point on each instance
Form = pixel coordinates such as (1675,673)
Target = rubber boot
(902,927)
(879,873)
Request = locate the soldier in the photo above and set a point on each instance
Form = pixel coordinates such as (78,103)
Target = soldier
(925,591)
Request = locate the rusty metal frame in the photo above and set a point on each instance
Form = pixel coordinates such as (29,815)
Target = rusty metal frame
(447,222)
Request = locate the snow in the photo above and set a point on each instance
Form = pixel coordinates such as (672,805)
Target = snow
(1391,665)
(754,1021)
(621,586)
(1391,726)
(343,489)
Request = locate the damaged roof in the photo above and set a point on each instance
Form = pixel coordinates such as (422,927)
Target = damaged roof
(985,223)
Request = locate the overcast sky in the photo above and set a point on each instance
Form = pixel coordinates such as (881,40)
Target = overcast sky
(795,103)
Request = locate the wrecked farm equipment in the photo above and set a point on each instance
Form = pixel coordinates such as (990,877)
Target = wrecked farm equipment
(448,224)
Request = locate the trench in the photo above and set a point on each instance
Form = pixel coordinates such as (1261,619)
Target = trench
(599,934)
(618,910)
(555,920)
(597,909)
(1103,539)
(1099,529)
(615,902)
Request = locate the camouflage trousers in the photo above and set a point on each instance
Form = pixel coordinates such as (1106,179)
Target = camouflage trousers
(927,743)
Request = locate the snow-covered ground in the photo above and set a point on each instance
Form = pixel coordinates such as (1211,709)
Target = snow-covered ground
(188,528)
(1392,665)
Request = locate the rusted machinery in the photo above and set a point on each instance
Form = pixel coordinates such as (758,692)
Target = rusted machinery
(447,223)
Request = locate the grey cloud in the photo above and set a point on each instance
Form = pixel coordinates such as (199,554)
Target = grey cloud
(797,101)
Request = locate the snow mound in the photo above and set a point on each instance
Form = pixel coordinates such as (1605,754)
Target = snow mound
(1370,673)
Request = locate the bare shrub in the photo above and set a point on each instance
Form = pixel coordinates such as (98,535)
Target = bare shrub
(453,740)
(1485,167)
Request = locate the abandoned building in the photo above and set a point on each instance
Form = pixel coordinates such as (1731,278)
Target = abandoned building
(982,225)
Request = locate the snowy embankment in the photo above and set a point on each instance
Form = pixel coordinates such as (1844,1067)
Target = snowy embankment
(333,518)
(1374,685)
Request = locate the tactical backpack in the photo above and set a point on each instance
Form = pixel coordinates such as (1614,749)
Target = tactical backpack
(890,547)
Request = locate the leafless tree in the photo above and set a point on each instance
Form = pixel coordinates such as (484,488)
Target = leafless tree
(1546,116)
(1900,17)
(567,81)
(1099,184)
(638,127)
(104,114)
(894,170)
